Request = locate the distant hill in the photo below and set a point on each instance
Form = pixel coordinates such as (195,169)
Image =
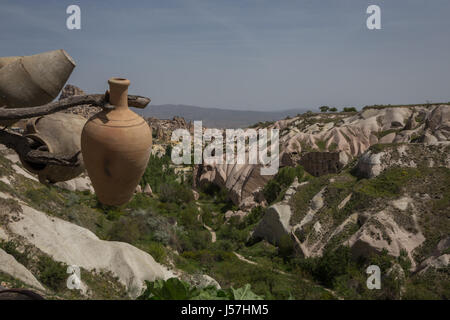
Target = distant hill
(216,118)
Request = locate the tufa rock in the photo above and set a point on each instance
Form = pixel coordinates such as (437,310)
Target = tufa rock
(148,190)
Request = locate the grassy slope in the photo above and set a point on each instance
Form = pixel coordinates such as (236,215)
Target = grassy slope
(172,233)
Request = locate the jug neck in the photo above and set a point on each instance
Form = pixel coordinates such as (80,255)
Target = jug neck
(118,92)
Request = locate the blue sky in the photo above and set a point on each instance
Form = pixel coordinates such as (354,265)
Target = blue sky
(246,54)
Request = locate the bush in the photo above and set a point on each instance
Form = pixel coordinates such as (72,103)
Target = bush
(331,265)
(176,193)
(157,251)
(286,247)
(281,181)
(349,109)
(271,191)
(175,289)
(158,172)
(52,273)
(125,230)
(253,217)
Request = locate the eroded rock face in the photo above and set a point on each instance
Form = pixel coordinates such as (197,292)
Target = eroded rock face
(380,232)
(275,223)
(71,90)
(10,266)
(241,180)
(374,162)
(74,245)
(398,225)
(81,183)
(347,135)
(163,128)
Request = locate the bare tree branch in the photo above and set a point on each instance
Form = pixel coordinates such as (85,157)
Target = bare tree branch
(98,100)
(23,145)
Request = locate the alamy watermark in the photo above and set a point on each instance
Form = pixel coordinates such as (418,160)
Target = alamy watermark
(374,279)
(237,151)
(74,280)
(73,21)
(374,20)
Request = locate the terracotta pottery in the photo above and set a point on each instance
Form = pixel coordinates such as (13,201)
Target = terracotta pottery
(58,133)
(33,80)
(7,60)
(116,146)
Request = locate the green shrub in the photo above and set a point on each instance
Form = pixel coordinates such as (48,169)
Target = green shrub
(271,191)
(175,289)
(159,171)
(125,230)
(157,251)
(52,273)
(176,193)
(282,180)
(332,264)
(286,247)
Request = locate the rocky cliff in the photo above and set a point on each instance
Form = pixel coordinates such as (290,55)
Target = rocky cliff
(32,231)
(402,208)
(348,135)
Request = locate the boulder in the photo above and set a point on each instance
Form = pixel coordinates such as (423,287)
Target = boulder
(74,245)
(148,190)
(229,214)
(81,183)
(372,163)
(10,266)
(381,232)
(275,224)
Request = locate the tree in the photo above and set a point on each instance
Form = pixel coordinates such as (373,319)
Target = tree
(324,108)
(349,109)
(333,109)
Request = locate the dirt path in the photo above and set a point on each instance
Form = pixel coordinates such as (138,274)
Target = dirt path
(211,231)
(240,257)
(213,234)
(244,259)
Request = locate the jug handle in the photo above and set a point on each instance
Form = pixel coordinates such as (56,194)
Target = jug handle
(31,125)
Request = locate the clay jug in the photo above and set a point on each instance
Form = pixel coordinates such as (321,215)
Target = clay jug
(33,80)
(7,60)
(116,146)
(58,133)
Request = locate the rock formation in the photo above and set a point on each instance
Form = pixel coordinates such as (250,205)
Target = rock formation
(338,136)
(71,90)
(399,224)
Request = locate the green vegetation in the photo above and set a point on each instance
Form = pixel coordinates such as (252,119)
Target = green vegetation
(322,145)
(324,108)
(52,273)
(349,109)
(382,106)
(275,188)
(263,124)
(175,289)
(170,226)
(301,200)
(381,134)
(163,180)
